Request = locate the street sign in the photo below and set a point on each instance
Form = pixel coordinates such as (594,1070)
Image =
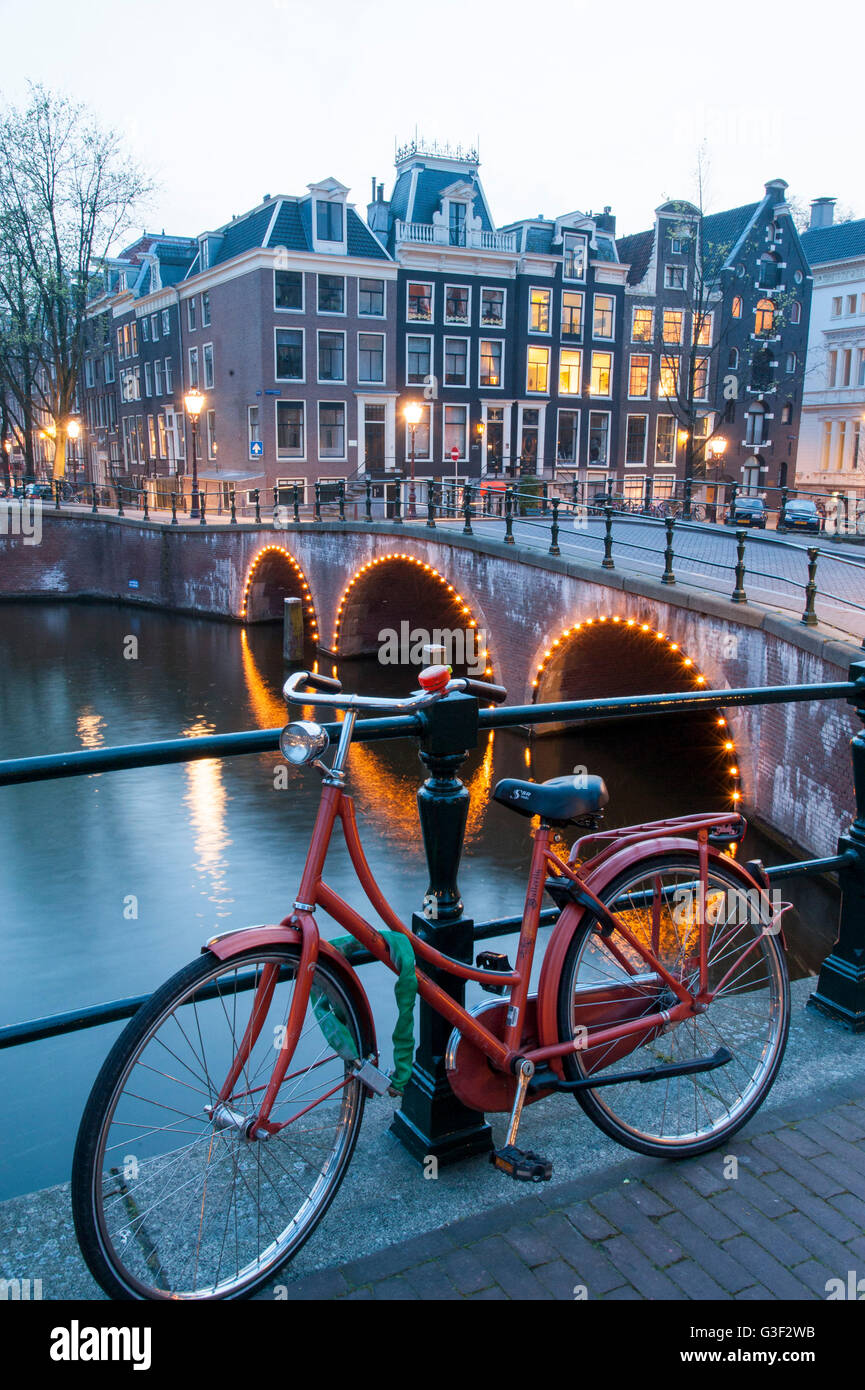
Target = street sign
(455,453)
(256,449)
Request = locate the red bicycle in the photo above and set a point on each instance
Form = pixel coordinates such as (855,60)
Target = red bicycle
(223,1121)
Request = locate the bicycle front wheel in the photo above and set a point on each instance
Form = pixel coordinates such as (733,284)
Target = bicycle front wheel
(169,1196)
(605,981)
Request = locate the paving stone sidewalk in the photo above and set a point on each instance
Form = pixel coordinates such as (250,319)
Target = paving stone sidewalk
(784,1219)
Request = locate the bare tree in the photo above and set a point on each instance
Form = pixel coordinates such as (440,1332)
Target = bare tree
(67,192)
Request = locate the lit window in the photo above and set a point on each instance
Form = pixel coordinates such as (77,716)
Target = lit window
(764,316)
(701,378)
(642,326)
(539,316)
(638,380)
(570,372)
(491,362)
(572,313)
(602,371)
(457,304)
(703,329)
(668,383)
(673,324)
(602,323)
(419,302)
(736,309)
(537,376)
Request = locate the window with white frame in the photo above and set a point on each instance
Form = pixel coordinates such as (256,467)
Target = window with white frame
(211,434)
(154,328)
(145,330)
(538,369)
(570,371)
(675,277)
(290,429)
(331,294)
(530,436)
(331,356)
(635,439)
(370,298)
(288,290)
(572,314)
(148,380)
(668,378)
(418,359)
(328,221)
(169,377)
(701,378)
(419,301)
(370,357)
(602,317)
(492,308)
(539,309)
(674,320)
(207,363)
(642,325)
(253,430)
(205,310)
(457,304)
(422,435)
(573,257)
(166,322)
(331,430)
(567,441)
(599,438)
(88,371)
(455,430)
(456,362)
(288,347)
(108,366)
(665,440)
(490,363)
(638,374)
(157,377)
(796,311)
(702,329)
(193,367)
(192,313)
(602,374)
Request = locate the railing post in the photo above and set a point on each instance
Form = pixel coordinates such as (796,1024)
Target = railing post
(202,502)
(668,577)
(341,495)
(276,506)
(146,506)
(397,501)
(686,503)
(174,508)
(545,497)
(739,595)
(467,510)
(318,501)
(607,561)
(840,989)
(233,499)
(432,498)
(431,1122)
(647,497)
(369,499)
(574,490)
(509,516)
(120,511)
(781,527)
(94,508)
(257,499)
(295,497)
(57,494)
(809,617)
(554,529)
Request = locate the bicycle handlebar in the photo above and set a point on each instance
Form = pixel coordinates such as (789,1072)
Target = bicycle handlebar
(329,692)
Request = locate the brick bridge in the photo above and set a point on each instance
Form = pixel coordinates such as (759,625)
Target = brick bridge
(554,627)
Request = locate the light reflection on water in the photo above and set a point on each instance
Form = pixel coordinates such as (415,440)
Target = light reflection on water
(212,844)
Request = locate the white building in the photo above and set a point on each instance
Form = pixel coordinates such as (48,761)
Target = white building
(831,451)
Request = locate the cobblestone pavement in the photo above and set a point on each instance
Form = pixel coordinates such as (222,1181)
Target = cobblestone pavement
(779,1223)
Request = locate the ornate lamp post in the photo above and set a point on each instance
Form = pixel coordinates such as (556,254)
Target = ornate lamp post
(73,432)
(7,462)
(194,402)
(716,449)
(412,414)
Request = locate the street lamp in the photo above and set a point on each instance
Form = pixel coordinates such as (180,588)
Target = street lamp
(716,449)
(412,414)
(194,402)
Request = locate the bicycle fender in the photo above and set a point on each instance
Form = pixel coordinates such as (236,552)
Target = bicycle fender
(233,943)
(571,920)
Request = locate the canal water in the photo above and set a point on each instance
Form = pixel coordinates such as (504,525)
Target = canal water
(110,883)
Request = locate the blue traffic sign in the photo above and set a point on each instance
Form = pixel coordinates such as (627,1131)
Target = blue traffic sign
(256,449)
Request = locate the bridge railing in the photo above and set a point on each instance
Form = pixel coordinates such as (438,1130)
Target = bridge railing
(811,576)
(446,732)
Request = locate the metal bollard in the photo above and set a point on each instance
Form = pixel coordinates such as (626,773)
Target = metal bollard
(668,577)
(809,617)
(232,497)
(368,499)
(739,595)
(432,496)
(174,509)
(607,561)
(509,516)
(257,499)
(467,510)
(554,529)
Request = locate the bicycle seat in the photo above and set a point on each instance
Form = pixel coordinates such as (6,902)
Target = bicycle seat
(559,800)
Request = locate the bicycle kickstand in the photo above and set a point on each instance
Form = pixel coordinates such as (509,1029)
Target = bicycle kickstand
(517,1163)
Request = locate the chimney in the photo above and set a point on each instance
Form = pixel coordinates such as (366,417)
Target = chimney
(373,188)
(822,213)
(380,194)
(776,190)
(605,221)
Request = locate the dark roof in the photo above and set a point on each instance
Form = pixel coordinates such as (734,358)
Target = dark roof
(288,229)
(539,238)
(636,251)
(431,183)
(360,240)
(399,197)
(292,229)
(834,243)
(723,230)
(244,233)
(606,250)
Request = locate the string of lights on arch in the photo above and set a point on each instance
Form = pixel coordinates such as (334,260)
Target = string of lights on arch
(420,565)
(728,747)
(308,604)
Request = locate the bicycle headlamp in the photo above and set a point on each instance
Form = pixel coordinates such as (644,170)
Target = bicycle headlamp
(302,741)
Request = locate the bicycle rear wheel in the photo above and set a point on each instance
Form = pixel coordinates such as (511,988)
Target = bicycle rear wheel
(681,1115)
(171,1203)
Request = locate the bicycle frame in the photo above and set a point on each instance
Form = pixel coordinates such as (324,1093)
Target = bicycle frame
(504,1053)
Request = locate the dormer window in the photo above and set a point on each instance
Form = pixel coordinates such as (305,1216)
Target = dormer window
(457,223)
(574,257)
(328,221)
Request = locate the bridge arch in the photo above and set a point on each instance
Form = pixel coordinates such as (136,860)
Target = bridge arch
(393,592)
(273,575)
(609,654)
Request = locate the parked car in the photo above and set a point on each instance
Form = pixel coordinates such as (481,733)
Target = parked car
(801,514)
(43,490)
(747,511)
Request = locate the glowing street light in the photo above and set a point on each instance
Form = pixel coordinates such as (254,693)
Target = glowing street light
(412,414)
(194,402)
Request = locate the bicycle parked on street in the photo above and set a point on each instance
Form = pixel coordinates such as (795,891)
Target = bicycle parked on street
(225,1116)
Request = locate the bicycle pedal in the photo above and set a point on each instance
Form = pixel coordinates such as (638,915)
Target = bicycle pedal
(493,960)
(520,1165)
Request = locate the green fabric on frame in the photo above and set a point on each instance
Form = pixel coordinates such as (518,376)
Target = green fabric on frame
(405,993)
